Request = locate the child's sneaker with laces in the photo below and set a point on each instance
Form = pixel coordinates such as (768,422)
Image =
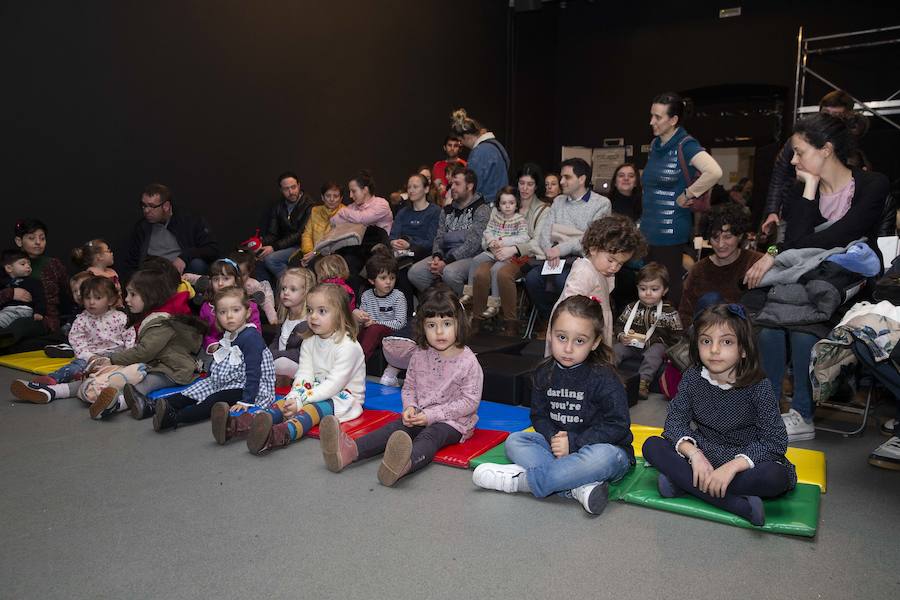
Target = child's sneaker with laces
(31,391)
(798,430)
(593,496)
(503,478)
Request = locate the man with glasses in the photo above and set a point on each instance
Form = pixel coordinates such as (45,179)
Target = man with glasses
(182,239)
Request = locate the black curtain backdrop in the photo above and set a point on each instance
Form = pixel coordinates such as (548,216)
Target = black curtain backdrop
(214,99)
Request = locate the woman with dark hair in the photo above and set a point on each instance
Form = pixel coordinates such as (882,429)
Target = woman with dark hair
(487,156)
(830,206)
(724,270)
(551,187)
(369,210)
(625,191)
(530,186)
(667,221)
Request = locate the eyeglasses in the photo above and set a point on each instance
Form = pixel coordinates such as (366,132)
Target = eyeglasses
(145,206)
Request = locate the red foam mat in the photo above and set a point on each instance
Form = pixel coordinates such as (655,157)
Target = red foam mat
(459,455)
(360,426)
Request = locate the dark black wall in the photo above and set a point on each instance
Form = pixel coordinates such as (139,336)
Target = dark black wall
(214,99)
(612,58)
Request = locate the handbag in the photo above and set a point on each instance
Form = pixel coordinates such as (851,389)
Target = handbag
(702,202)
(680,354)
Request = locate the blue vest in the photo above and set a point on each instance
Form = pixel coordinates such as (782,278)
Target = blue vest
(663,222)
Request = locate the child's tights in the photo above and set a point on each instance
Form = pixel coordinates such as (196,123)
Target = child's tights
(766,479)
(188,410)
(426,441)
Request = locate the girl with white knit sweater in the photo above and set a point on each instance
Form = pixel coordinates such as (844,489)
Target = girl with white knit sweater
(507,227)
(331,378)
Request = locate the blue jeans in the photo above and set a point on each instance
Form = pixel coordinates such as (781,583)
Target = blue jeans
(773,356)
(277,262)
(548,474)
(68,372)
(544,290)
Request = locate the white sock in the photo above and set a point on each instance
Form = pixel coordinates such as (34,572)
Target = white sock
(60,390)
(390,371)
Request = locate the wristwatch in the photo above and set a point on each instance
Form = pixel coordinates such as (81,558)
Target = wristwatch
(772,250)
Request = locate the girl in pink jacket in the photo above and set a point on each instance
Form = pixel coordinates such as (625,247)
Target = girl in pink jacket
(440,398)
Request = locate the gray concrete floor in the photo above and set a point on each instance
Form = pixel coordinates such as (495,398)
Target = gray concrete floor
(112,510)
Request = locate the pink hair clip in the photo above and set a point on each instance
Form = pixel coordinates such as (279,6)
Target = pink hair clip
(596,299)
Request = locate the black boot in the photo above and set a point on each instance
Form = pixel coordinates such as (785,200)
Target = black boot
(165,416)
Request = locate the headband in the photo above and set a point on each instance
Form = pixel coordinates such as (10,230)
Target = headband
(737,309)
(232,263)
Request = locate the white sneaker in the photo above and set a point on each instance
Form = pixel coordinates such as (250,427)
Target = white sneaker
(503,478)
(798,430)
(389,380)
(593,496)
(887,455)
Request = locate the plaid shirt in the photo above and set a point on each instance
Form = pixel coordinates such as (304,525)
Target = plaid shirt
(233,368)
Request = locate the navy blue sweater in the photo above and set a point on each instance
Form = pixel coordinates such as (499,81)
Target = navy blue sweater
(587,401)
(418,227)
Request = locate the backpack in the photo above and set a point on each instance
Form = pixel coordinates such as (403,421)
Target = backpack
(702,202)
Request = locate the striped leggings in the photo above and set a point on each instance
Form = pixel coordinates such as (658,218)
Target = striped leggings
(309,416)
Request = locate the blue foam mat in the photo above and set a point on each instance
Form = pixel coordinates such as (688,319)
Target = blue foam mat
(169,391)
(491,415)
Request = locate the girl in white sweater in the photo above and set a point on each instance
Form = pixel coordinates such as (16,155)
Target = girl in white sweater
(331,378)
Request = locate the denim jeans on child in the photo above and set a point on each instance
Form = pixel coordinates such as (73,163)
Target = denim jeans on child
(69,372)
(548,474)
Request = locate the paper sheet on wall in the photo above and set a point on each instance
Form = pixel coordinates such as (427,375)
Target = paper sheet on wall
(604,162)
(577,152)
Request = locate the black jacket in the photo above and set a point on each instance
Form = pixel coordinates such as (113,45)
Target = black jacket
(282,230)
(32,286)
(192,234)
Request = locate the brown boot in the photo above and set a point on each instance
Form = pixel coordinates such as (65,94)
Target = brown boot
(511,328)
(644,389)
(264,436)
(338,448)
(397,459)
(226,427)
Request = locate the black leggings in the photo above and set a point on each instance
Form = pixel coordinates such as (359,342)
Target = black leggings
(766,479)
(188,410)
(426,441)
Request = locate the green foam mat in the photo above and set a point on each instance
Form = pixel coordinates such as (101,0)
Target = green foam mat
(496,455)
(794,513)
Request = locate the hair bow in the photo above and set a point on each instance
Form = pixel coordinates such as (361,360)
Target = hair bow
(737,309)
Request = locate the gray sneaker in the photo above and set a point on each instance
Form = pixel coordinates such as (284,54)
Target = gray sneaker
(593,496)
(887,455)
(137,402)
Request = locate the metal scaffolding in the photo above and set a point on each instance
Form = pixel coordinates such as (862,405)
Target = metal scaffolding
(839,42)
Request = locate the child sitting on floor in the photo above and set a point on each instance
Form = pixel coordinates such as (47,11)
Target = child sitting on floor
(22,297)
(440,399)
(223,273)
(648,326)
(260,292)
(724,439)
(294,286)
(579,410)
(96,257)
(167,340)
(242,371)
(383,308)
(333,269)
(507,227)
(608,244)
(331,379)
(99,329)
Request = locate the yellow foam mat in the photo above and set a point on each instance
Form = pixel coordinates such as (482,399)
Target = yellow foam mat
(810,463)
(34,362)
